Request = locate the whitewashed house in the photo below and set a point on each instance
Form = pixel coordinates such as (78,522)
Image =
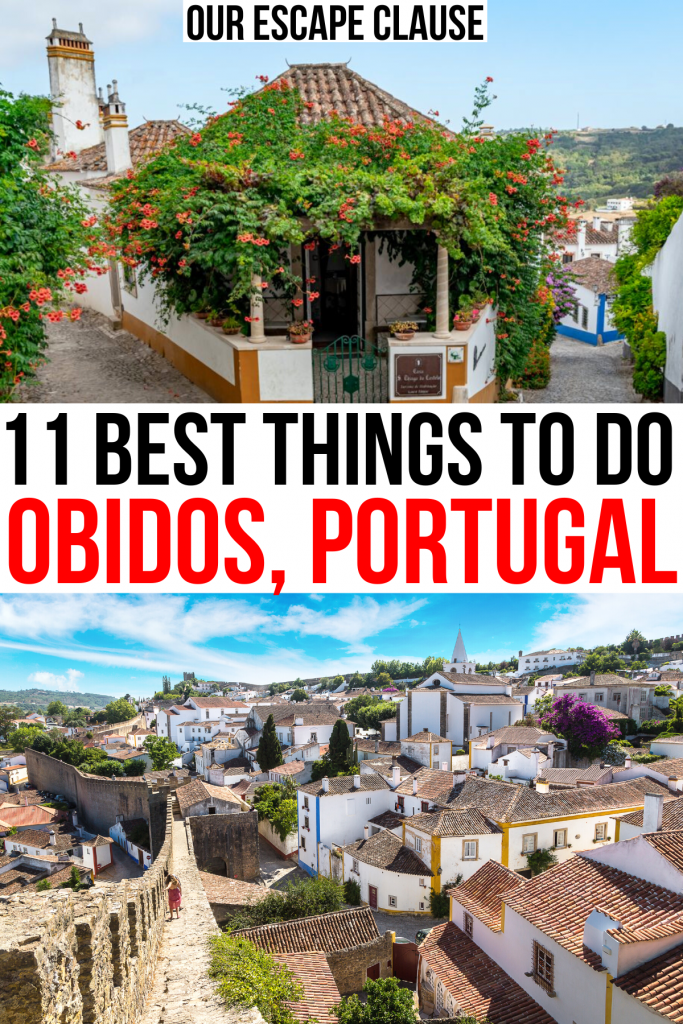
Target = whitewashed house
(430,749)
(492,747)
(392,877)
(543,661)
(452,842)
(458,706)
(591,321)
(127,833)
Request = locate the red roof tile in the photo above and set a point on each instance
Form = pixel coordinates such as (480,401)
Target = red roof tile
(320,992)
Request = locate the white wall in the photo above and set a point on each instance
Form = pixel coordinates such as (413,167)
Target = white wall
(482,345)
(667,295)
(662,746)
(584,828)
(390,278)
(406,888)
(342,818)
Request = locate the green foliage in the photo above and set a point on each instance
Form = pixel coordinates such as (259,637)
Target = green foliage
(648,367)
(305,898)
(43,884)
(352,892)
(162,750)
(536,372)
(299,695)
(74,880)
(387,1003)
(226,203)
(248,977)
(135,768)
(139,835)
(663,690)
(23,737)
(369,711)
(269,753)
(543,705)
(277,804)
(7,716)
(47,242)
(120,710)
(439,903)
(600,663)
(57,708)
(540,860)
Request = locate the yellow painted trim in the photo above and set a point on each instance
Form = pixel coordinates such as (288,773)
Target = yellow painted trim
(571,817)
(617,828)
(470,753)
(66,51)
(436,863)
(505,845)
(502,917)
(608,999)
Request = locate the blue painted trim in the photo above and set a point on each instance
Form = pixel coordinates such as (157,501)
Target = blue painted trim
(586,336)
(317,833)
(309,871)
(601,315)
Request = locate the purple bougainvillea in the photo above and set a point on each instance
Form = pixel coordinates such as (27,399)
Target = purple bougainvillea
(564,294)
(586,727)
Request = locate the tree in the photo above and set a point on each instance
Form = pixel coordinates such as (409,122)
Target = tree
(540,860)
(634,642)
(269,753)
(20,739)
(48,240)
(277,804)
(162,751)
(247,976)
(383,679)
(663,690)
(74,720)
(109,768)
(299,695)
(586,727)
(7,717)
(57,708)
(45,742)
(387,1003)
(308,897)
(339,753)
(120,711)
(135,767)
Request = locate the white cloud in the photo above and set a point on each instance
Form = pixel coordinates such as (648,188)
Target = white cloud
(593,619)
(50,681)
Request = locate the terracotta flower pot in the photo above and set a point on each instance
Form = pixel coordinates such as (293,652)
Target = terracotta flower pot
(299,339)
(405,335)
(202,316)
(231,330)
(463,325)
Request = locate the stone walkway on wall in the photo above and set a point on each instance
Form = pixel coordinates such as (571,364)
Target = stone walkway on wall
(586,373)
(89,362)
(182,992)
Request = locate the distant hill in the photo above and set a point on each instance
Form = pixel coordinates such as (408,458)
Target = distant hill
(602,163)
(38,700)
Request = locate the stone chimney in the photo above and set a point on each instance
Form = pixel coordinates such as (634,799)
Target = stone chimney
(444,766)
(53,838)
(395,776)
(326,784)
(652,812)
(542,786)
(356,782)
(376,745)
(592,679)
(366,831)
(115,127)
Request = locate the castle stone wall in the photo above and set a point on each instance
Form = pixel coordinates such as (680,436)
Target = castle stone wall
(227,844)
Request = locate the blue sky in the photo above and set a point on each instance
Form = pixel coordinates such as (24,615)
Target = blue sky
(116,644)
(613,64)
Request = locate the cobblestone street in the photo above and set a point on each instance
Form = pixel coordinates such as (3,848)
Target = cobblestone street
(583,373)
(91,363)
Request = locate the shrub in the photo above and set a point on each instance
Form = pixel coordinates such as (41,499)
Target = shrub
(536,372)
(439,902)
(307,898)
(352,892)
(540,860)
(43,884)
(248,977)
(459,752)
(648,368)
(387,1003)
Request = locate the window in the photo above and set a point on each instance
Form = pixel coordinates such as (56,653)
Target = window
(393,901)
(529,842)
(401,803)
(421,905)
(643,696)
(601,831)
(470,849)
(616,697)
(305,803)
(314,737)
(212,810)
(424,805)
(306,822)
(303,842)
(567,257)
(355,867)
(130,283)
(207,714)
(543,969)
(422,882)
(584,317)
(418,844)
(468,924)
(582,696)
(599,697)
(560,838)
(436,748)
(368,799)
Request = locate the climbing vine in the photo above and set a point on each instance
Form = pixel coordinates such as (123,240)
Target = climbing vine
(227,201)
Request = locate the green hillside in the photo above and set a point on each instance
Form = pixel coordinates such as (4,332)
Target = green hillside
(38,700)
(617,162)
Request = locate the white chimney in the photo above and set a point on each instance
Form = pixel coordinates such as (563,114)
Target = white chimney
(444,766)
(356,782)
(542,786)
(115,126)
(395,776)
(75,111)
(377,746)
(652,812)
(414,786)
(673,783)
(326,784)
(53,838)
(298,721)
(581,240)
(596,223)
(366,831)
(627,761)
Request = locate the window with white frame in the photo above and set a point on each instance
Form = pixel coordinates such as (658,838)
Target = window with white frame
(306,803)
(560,838)
(470,849)
(368,799)
(303,842)
(600,831)
(306,824)
(314,737)
(355,867)
(393,902)
(529,842)
(418,844)
(436,748)
(599,698)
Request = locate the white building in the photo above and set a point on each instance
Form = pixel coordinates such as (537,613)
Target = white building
(458,706)
(591,321)
(128,834)
(492,747)
(459,662)
(392,877)
(666,274)
(632,697)
(542,661)
(452,842)
(430,749)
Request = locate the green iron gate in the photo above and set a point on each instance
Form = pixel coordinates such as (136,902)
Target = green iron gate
(350,370)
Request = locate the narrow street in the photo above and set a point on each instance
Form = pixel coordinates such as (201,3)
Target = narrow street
(583,373)
(89,362)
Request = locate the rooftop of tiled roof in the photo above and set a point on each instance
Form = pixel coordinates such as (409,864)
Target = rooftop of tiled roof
(320,992)
(668,739)
(657,983)
(387,819)
(605,678)
(484,891)
(480,987)
(27,796)
(559,901)
(146,141)
(473,678)
(432,784)
(385,850)
(230,891)
(672,816)
(25,879)
(290,768)
(669,844)
(197,791)
(342,929)
(312,714)
(515,734)
(448,822)
(335,88)
(424,736)
(17,815)
(385,746)
(384,765)
(65,838)
(487,698)
(344,784)
(505,802)
(126,753)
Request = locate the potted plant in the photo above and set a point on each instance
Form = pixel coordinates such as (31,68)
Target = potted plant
(462,321)
(203,314)
(300,331)
(231,325)
(404,330)
(216,318)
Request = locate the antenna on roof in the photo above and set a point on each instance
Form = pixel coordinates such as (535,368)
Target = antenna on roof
(346,64)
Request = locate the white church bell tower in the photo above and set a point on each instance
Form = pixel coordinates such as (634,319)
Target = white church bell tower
(76,110)
(460,662)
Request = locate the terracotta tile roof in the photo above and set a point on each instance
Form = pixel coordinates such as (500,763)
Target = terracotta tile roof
(215,702)
(432,784)
(342,929)
(30,796)
(387,819)
(320,992)
(384,765)
(486,698)
(385,746)
(670,768)
(336,88)
(146,141)
(484,892)
(290,768)
(657,983)
(312,714)
(369,780)
(425,737)
(560,905)
(506,802)
(25,879)
(198,791)
(232,892)
(64,840)
(448,822)
(672,816)
(471,678)
(97,841)
(611,713)
(33,815)
(522,735)
(385,850)
(479,986)
(605,678)
(560,776)
(126,753)
(669,844)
